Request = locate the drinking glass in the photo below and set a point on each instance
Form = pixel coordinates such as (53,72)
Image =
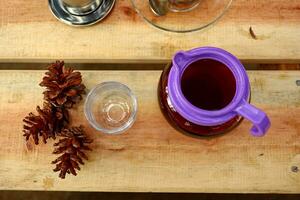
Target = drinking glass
(111,107)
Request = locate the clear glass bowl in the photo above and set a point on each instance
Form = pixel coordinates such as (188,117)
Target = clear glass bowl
(111,107)
(176,17)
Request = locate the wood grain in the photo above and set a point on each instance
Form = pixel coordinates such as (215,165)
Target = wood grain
(29,33)
(152,156)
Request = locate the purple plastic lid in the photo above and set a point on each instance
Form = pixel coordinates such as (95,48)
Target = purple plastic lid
(238,106)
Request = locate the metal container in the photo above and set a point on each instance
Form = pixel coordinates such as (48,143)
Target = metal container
(81,12)
(81,7)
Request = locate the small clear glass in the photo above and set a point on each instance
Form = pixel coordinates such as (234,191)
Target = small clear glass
(111,107)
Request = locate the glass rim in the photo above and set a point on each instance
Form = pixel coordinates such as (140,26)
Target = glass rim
(90,117)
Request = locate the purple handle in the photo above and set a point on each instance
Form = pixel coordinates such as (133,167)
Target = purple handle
(261,122)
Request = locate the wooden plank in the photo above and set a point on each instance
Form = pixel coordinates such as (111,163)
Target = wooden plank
(15,195)
(152,156)
(29,33)
(136,66)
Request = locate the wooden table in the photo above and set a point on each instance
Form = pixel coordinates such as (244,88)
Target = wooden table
(29,32)
(152,156)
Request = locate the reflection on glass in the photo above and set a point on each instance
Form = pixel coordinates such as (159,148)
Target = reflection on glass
(181,15)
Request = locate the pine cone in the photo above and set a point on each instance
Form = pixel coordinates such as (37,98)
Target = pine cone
(71,147)
(63,86)
(49,121)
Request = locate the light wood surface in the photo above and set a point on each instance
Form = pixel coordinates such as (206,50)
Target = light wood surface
(29,33)
(152,156)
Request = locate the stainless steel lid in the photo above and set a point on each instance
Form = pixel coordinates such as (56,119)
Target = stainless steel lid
(81,12)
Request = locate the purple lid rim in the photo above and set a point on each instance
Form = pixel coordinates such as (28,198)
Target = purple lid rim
(193,113)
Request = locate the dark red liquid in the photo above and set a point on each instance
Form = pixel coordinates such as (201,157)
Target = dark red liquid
(195,92)
(208,84)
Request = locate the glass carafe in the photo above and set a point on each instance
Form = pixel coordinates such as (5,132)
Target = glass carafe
(206,91)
